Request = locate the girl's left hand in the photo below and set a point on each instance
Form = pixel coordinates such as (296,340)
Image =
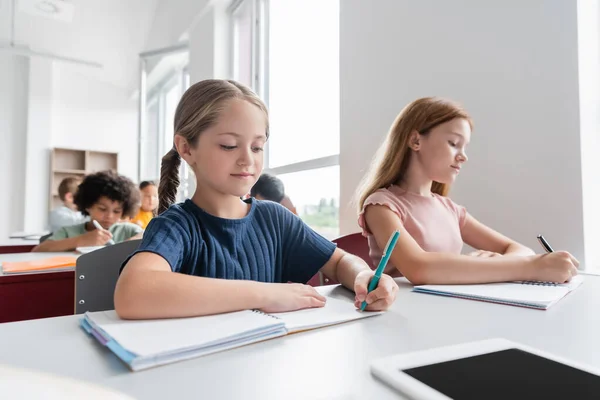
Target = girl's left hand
(379,299)
(484,254)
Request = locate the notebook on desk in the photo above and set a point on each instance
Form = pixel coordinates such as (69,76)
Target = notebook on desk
(538,295)
(50,264)
(148,343)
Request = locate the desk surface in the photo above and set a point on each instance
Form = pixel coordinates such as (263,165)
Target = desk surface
(327,363)
(19,242)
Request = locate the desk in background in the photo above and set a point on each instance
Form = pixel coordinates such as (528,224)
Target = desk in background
(327,363)
(39,295)
(8,246)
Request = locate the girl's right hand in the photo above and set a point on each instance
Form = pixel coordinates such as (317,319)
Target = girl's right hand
(282,297)
(97,237)
(558,266)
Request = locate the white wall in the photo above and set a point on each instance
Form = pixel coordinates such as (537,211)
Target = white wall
(172,20)
(14,71)
(514,66)
(91,115)
(44,104)
(37,155)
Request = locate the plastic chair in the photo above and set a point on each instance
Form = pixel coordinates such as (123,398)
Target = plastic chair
(354,243)
(96,276)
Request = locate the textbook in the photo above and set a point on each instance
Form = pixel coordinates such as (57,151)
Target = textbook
(143,344)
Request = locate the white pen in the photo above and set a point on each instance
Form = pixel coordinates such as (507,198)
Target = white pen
(98,226)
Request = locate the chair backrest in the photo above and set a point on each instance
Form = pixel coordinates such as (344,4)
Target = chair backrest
(96,276)
(46,236)
(354,243)
(357,244)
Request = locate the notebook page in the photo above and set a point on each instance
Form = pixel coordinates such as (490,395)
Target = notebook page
(152,337)
(334,312)
(510,291)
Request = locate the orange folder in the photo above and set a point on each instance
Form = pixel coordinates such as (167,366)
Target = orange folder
(46,264)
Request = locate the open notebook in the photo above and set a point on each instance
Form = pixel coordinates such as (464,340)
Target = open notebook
(538,295)
(148,343)
(50,264)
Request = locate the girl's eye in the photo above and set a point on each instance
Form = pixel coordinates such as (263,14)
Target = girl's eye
(452,144)
(257,149)
(224,147)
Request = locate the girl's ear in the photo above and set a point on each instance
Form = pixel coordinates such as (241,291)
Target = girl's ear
(183,148)
(414,142)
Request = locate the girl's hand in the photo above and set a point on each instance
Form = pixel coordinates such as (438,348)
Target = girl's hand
(379,299)
(282,297)
(559,267)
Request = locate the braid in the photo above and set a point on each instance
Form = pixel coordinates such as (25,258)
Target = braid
(169,180)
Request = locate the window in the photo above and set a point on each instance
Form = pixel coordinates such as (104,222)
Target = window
(165,83)
(150,163)
(316,196)
(295,59)
(242,15)
(291,49)
(303,80)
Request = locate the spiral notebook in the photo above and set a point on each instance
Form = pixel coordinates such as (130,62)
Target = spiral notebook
(148,343)
(538,295)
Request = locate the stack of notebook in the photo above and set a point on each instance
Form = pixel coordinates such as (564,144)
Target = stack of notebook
(147,343)
(538,295)
(50,264)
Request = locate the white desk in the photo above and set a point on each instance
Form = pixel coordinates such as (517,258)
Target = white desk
(19,242)
(328,363)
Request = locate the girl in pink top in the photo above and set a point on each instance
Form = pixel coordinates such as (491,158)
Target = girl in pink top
(406,189)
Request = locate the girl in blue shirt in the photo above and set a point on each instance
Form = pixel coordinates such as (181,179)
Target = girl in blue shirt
(215,253)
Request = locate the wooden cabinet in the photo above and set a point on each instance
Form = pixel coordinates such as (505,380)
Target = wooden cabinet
(73,162)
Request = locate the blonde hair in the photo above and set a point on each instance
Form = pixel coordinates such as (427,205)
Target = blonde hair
(393,157)
(198,110)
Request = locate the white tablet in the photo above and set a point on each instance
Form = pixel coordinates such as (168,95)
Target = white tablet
(489,369)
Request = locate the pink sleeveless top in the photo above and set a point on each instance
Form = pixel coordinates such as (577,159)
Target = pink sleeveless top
(434,222)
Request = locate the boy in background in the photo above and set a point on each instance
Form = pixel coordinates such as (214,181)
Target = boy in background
(270,187)
(67,214)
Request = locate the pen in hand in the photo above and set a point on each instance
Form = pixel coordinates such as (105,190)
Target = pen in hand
(545,244)
(387,252)
(99,227)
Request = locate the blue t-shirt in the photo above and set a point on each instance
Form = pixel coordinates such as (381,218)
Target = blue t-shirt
(270,244)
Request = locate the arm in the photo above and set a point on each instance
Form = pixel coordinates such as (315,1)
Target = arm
(58,241)
(147,288)
(482,237)
(344,268)
(421,267)
(49,245)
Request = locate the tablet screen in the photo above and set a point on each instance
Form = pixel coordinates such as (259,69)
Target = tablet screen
(508,374)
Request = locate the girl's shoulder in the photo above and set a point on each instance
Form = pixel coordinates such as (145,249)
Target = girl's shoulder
(386,196)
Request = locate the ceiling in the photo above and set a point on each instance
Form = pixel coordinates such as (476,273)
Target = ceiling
(111,32)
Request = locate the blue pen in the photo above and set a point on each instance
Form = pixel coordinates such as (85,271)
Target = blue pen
(387,253)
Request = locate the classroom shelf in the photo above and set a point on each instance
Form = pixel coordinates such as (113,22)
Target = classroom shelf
(75,162)
(70,171)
